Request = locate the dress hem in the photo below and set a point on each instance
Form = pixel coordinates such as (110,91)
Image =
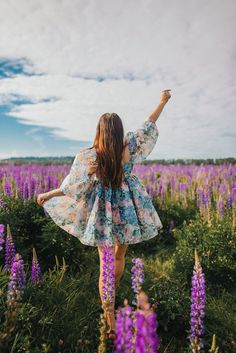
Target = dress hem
(117,242)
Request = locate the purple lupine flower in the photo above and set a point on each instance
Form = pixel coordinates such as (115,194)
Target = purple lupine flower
(32,184)
(198,299)
(206,198)
(229,201)
(17,280)
(146,338)
(21,189)
(220,206)
(55,182)
(1,236)
(233,193)
(152,338)
(7,188)
(136,331)
(25,190)
(108,274)
(137,277)
(172,183)
(36,275)
(124,341)
(39,189)
(9,250)
(15,293)
(47,183)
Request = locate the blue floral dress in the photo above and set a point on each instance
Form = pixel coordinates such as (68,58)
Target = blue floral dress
(99,216)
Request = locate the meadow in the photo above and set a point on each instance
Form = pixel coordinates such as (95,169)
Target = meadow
(197,206)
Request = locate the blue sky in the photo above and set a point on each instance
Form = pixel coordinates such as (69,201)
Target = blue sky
(58,74)
(29,140)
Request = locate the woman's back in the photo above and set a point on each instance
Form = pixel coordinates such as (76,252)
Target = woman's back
(97,215)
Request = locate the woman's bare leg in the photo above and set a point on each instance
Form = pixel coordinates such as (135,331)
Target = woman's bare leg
(120,251)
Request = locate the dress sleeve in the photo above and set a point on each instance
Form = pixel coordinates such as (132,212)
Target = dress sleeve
(142,141)
(78,180)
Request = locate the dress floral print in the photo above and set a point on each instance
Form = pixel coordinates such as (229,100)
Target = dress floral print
(99,216)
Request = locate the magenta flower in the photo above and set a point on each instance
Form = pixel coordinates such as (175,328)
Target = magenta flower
(146,337)
(124,341)
(36,275)
(25,190)
(147,340)
(7,188)
(136,331)
(9,250)
(137,276)
(17,280)
(108,274)
(198,299)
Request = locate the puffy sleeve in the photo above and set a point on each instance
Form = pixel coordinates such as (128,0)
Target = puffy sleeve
(78,180)
(142,141)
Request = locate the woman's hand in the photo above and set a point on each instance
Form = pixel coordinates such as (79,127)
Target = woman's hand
(43,197)
(165,96)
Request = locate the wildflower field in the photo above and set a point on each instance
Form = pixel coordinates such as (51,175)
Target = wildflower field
(178,292)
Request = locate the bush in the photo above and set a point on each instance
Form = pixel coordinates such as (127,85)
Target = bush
(216,246)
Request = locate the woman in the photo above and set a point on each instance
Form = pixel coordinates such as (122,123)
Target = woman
(100,201)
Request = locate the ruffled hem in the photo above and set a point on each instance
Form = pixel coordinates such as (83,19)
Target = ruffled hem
(102,217)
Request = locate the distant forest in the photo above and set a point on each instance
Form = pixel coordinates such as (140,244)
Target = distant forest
(69,160)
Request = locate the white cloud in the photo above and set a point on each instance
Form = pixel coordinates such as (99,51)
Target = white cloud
(186,46)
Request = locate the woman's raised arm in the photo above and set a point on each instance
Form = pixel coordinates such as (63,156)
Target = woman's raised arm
(165,96)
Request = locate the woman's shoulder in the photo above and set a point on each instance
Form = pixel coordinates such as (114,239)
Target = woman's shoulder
(87,151)
(87,154)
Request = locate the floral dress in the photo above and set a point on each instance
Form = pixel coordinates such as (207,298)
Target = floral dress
(99,216)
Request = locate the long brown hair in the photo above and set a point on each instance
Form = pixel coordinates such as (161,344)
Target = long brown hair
(109,145)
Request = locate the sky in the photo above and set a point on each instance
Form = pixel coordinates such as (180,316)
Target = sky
(65,63)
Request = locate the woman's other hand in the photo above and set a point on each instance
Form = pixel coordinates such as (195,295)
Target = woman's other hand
(43,197)
(165,96)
